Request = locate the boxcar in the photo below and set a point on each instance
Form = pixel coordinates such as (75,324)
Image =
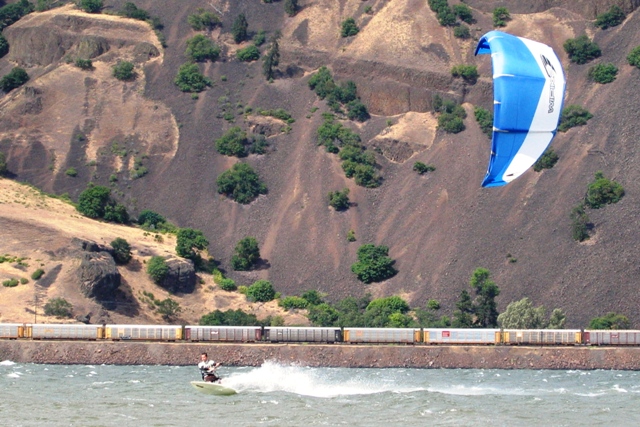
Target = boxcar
(461,336)
(611,337)
(382,335)
(302,334)
(223,333)
(12,330)
(64,331)
(542,336)
(143,332)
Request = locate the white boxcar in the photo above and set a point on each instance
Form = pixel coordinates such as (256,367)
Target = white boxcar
(302,334)
(461,336)
(611,337)
(382,335)
(223,333)
(11,330)
(542,336)
(64,331)
(143,332)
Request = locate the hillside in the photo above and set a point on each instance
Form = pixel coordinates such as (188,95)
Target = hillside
(439,227)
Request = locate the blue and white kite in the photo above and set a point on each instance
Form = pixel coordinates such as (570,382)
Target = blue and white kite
(528,90)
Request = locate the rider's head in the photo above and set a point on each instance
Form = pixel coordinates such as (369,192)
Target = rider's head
(203,357)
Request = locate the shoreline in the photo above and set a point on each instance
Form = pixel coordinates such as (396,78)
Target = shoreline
(322,355)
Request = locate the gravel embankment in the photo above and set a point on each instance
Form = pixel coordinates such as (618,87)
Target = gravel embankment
(336,355)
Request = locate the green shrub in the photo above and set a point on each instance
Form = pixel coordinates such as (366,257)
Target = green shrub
(90,6)
(150,219)
(291,7)
(201,49)
(239,29)
(446,17)
(130,10)
(37,274)
(229,318)
(392,304)
(247,254)
(188,241)
(16,78)
(203,20)
(339,200)
(422,168)
(261,291)
(72,172)
(227,284)
(469,73)
(189,78)
(117,213)
(278,113)
(248,54)
(59,307)
(3,164)
(373,264)
(123,70)
(357,111)
(233,143)
(450,123)
(4,46)
(572,116)
(157,269)
(610,321)
(463,12)
(24,280)
(121,251)
(603,191)
(634,57)
(93,201)
(349,28)
(611,18)
(293,302)
(168,308)
(10,283)
(580,223)
(351,236)
(485,120)
(548,160)
(501,16)
(83,64)
(581,49)
(241,184)
(462,32)
(603,73)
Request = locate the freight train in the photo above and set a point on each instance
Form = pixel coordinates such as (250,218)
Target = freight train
(328,335)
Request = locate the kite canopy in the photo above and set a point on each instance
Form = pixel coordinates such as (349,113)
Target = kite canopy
(528,90)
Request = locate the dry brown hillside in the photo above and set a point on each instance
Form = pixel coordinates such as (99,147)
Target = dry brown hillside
(439,227)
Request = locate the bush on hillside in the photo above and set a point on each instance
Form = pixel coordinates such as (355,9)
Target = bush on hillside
(462,32)
(248,54)
(423,168)
(168,308)
(90,6)
(610,321)
(121,251)
(572,116)
(59,307)
(3,164)
(463,12)
(469,73)
(501,16)
(201,49)
(4,46)
(293,302)
(548,160)
(124,70)
(233,143)
(611,18)
(247,254)
(14,79)
(339,200)
(36,275)
(261,291)
(580,223)
(241,184)
(229,318)
(189,78)
(83,64)
(130,10)
(603,191)
(581,49)
(603,73)
(189,241)
(239,29)
(634,57)
(349,28)
(373,264)
(157,269)
(203,20)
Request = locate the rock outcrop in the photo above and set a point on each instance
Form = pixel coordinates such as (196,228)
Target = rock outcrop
(181,277)
(99,276)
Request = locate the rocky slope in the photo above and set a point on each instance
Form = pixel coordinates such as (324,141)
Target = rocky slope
(439,227)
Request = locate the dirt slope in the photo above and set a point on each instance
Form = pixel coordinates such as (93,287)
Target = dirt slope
(439,227)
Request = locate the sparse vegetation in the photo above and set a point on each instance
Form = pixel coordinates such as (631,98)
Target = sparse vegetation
(293,302)
(241,184)
(501,16)
(189,78)
(121,251)
(451,115)
(351,236)
(580,223)
(83,64)
(339,200)
(247,254)
(485,120)
(572,116)
(603,191)
(124,70)
(373,264)
(248,54)
(14,79)
(10,283)
(338,95)
(581,49)
(72,172)
(168,308)
(634,57)
(611,18)
(423,168)
(261,291)
(201,48)
(603,73)
(157,269)
(203,20)
(548,160)
(469,73)
(349,28)
(59,307)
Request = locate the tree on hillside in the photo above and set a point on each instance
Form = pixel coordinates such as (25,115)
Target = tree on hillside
(581,49)
(261,291)
(14,79)
(241,183)
(247,254)
(203,20)
(523,315)
(189,78)
(610,321)
(239,29)
(190,240)
(463,315)
(339,200)
(93,201)
(485,307)
(272,58)
(291,7)
(4,46)
(150,219)
(168,308)
(634,57)
(201,48)
(124,70)
(233,143)
(90,6)
(373,264)
(349,28)
(611,18)
(229,318)
(157,269)
(121,251)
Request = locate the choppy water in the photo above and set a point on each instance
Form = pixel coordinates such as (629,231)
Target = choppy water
(275,395)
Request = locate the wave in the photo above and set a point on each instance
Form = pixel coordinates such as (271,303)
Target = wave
(7,363)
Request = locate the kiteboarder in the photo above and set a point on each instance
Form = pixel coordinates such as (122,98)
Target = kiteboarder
(208,369)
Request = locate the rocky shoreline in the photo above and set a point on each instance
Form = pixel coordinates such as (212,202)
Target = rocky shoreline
(328,355)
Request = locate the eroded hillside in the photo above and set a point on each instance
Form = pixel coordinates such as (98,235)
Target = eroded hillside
(439,227)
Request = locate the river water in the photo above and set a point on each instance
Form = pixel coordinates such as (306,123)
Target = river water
(276,395)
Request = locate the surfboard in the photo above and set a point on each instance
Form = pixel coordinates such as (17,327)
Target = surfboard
(212,388)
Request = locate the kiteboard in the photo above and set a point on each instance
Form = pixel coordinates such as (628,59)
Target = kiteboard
(212,388)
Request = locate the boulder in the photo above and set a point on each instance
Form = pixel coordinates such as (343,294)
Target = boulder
(181,276)
(99,276)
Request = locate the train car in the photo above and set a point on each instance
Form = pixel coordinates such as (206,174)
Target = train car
(12,330)
(143,332)
(542,336)
(461,336)
(611,337)
(302,334)
(223,333)
(382,335)
(64,331)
